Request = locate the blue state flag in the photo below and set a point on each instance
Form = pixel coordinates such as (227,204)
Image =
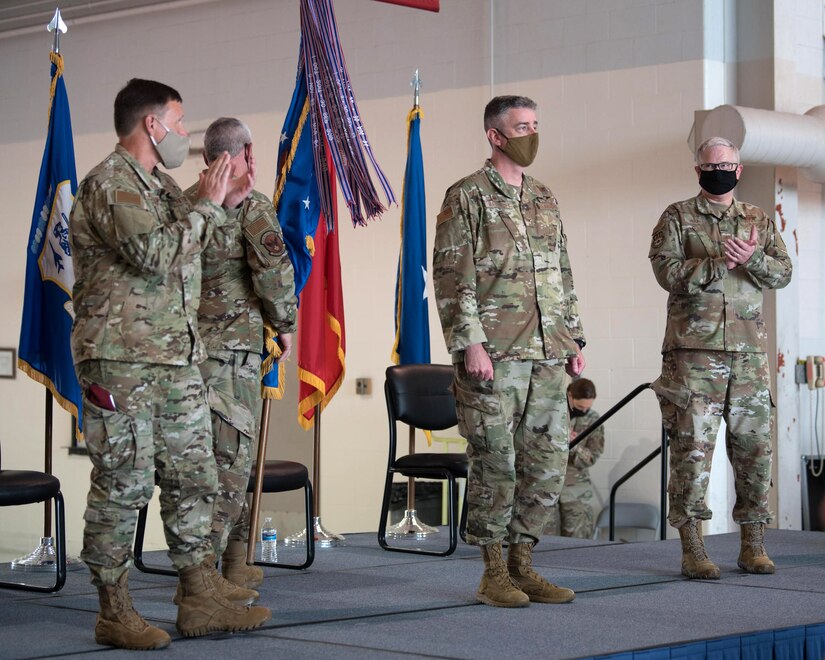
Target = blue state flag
(412,325)
(297,202)
(45,334)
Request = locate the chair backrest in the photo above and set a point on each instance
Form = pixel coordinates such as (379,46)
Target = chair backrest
(629,514)
(420,395)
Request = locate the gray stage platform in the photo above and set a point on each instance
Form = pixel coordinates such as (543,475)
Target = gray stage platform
(359,601)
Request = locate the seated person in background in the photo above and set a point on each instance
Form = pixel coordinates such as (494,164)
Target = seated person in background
(573,514)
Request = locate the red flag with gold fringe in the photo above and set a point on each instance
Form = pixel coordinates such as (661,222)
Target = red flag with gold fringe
(321,334)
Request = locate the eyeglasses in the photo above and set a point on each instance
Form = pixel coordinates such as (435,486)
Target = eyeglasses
(725,167)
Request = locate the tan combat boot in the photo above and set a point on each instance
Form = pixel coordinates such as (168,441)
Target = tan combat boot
(227,589)
(752,556)
(695,561)
(203,609)
(496,588)
(119,625)
(236,570)
(538,590)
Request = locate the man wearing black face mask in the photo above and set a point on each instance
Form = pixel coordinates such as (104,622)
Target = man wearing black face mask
(715,255)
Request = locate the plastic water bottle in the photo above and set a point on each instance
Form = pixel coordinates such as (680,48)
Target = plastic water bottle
(269,541)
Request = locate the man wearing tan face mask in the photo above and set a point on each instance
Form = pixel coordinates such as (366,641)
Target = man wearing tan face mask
(510,318)
(137,242)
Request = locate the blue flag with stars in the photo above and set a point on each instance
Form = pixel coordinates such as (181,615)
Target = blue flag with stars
(412,324)
(45,350)
(297,202)
(296,198)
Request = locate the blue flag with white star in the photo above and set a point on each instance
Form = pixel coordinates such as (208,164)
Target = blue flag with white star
(296,196)
(297,203)
(412,324)
(45,351)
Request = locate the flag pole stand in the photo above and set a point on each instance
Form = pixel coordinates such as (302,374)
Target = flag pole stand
(43,557)
(410,527)
(323,538)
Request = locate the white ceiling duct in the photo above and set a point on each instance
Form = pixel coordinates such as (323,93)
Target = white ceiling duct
(765,137)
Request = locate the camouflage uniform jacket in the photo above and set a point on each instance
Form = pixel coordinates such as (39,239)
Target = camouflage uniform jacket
(501,272)
(136,241)
(711,307)
(247,277)
(587,452)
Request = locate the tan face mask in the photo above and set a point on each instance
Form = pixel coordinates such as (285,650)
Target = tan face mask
(521,150)
(172,149)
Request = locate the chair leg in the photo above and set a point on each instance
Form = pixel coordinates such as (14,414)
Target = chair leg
(59,551)
(462,525)
(451,517)
(140,533)
(310,535)
(385,512)
(60,540)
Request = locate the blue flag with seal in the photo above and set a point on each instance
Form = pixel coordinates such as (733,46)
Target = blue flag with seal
(412,324)
(297,202)
(45,351)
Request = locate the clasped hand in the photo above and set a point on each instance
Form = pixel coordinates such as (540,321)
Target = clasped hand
(737,251)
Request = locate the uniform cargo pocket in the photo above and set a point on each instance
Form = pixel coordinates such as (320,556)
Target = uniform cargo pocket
(231,411)
(112,438)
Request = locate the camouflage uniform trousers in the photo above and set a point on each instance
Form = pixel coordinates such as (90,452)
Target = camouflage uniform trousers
(161,423)
(696,391)
(516,428)
(233,382)
(573,514)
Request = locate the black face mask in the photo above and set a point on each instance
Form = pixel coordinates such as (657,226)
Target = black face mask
(718,182)
(575,412)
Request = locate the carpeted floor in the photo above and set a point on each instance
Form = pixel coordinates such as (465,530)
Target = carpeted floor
(359,601)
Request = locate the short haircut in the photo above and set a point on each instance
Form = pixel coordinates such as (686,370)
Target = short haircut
(582,389)
(501,104)
(138,99)
(716,142)
(225,134)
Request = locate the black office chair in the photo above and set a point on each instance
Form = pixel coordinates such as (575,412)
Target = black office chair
(419,395)
(279,477)
(18,487)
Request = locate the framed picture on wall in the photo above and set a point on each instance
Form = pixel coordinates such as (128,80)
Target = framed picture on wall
(8,363)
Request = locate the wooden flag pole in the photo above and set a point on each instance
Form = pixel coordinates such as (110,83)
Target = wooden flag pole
(259,477)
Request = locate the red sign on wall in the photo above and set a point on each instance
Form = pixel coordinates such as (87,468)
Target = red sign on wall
(429,5)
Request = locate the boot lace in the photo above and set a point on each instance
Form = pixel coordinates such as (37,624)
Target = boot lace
(697,547)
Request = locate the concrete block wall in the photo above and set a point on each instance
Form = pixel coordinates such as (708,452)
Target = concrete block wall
(617,82)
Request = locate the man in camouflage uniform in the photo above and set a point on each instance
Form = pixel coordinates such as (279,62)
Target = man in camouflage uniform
(509,312)
(247,279)
(573,514)
(137,243)
(715,255)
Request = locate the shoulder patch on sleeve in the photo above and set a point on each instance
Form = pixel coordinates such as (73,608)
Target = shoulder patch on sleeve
(446,214)
(126,197)
(658,239)
(273,243)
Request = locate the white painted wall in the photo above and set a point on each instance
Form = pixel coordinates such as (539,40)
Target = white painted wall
(616,81)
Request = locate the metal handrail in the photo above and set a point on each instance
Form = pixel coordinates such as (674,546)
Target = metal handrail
(662,449)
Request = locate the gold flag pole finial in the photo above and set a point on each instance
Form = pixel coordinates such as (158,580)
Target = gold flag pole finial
(57,26)
(415,83)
